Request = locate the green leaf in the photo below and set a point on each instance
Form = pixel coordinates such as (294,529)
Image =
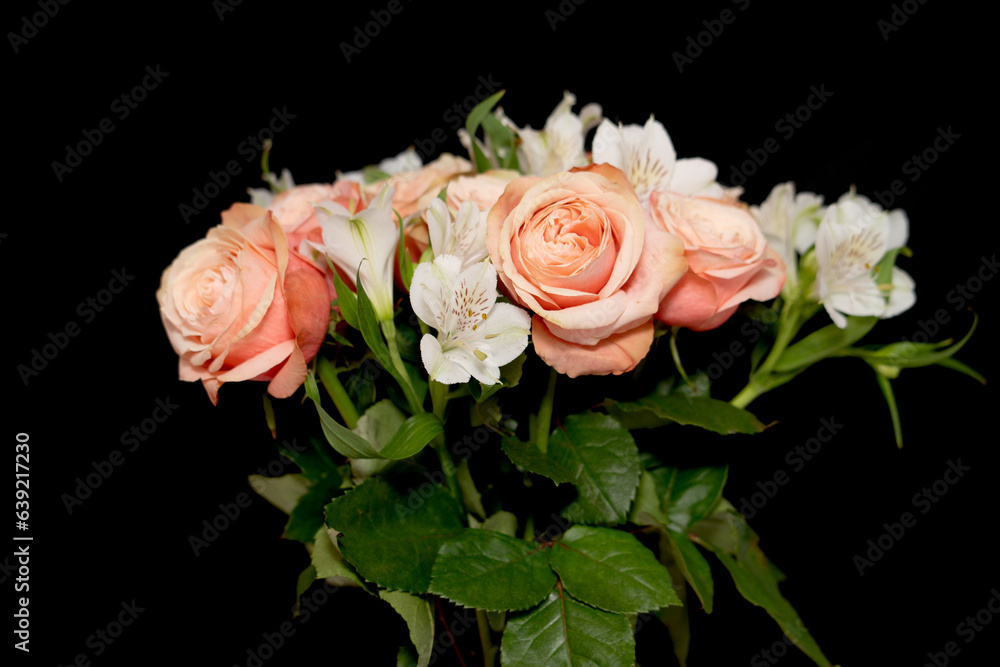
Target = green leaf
(565,633)
(302,584)
(502,522)
(756,581)
(611,570)
(409,438)
(492,571)
(820,344)
(370,331)
(529,457)
(328,562)
(419,619)
(890,398)
(373,174)
(393,538)
(707,413)
(604,462)
(692,565)
(405,657)
(307,517)
(472,123)
(347,301)
(956,365)
(689,495)
(283,492)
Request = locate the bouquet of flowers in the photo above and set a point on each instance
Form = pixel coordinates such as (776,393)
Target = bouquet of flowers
(411,301)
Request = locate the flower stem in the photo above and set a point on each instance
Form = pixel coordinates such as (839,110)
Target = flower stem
(439,401)
(484,638)
(545,413)
(788,325)
(389,331)
(675,353)
(328,376)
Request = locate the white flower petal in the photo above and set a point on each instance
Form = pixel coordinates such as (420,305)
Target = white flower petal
(506,332)
(903,294)
(439,367)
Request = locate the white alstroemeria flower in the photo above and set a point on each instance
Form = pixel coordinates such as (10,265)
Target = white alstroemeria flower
(463,236)
(559,146)
(647,157)
(476,335)
(364,242)
(264,196)
(852,238)
(408,160)
(789,222)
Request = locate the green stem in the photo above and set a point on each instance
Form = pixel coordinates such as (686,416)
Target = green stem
(484,638)
(747,395)
(389,331)
(439,401)
(788,325)
(675,353)
(544,420)
(328,376)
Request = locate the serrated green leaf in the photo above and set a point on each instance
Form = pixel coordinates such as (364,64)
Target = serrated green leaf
(611,570)
(565,633)
(822,343)
(708,413)
(393,538)
(529,457)
(689,495)
(603,460)
(328,562)
(755,580)
(492,571)
(307,517)
(419,618)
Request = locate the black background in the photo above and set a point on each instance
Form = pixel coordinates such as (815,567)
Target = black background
(119,209)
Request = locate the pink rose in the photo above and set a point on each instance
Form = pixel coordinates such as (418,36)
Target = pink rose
(415,189)
(240,305)
(729,260)
(484,189)
(576,249)
(293,208)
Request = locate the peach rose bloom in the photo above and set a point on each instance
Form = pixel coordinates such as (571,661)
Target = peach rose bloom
(293,208)
(484,189)
(729,260)
(240,305)
(576,249)
(413,188)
